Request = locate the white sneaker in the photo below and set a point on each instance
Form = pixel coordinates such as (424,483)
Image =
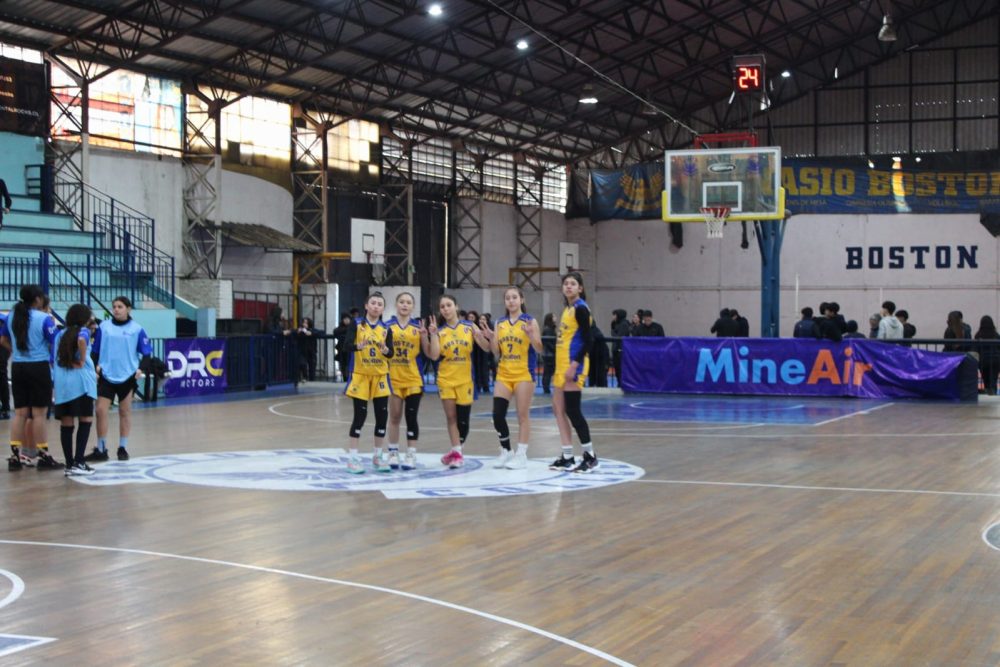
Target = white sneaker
(409,460)
(519,461)
(394,459)
(502,458)
(355,466)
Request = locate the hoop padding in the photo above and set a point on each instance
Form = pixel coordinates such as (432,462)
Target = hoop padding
(715,220)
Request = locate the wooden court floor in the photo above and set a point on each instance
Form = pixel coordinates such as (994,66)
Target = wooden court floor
(719,533)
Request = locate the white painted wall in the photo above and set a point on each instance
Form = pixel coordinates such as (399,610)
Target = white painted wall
(154,185)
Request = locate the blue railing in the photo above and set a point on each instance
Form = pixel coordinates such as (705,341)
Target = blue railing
(124,239)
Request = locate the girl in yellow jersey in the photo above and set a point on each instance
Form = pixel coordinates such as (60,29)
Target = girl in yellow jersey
(572,345)
(370,379)
(516,341)
(452,344)
(411,345)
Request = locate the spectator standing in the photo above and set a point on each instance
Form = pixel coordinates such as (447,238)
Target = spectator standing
(342,346)
(549,351)
(989,354)
(619,329)
(873,325)
(852,330)
(909,331)
(806,327)
(599,358)
(889,328)
(957,329)
(725,326)
(742,325)
(306,334)
(648,327)
(7,201)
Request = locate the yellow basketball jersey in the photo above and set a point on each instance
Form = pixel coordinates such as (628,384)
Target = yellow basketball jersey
(455,366)
(406,364)
(569,339)
(516,353)
(369,359)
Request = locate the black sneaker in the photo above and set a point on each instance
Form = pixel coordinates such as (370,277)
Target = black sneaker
(97,455)
(46,462)
(563,464)
(122,454)
(588,463)
(14,463)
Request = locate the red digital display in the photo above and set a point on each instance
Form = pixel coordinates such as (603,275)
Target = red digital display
(749,78)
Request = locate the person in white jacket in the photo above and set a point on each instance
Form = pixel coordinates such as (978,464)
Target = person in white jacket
(889,327)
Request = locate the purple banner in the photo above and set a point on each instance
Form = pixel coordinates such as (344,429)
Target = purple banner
(788,366)
(197,366)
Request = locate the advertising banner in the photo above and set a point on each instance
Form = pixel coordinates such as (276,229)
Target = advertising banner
(24,98)
(197,366)
(788,366)
(632,193)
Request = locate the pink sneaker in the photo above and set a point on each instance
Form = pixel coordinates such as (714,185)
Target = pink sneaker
(453,459)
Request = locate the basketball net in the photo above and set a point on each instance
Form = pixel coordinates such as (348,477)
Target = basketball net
(715,219)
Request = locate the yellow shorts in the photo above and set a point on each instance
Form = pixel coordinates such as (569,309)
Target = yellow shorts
(406,392)
(511,380)
(367,387)
(559,376)
(460,393)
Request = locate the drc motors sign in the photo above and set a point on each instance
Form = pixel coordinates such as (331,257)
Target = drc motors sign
(197,366)
(24,98)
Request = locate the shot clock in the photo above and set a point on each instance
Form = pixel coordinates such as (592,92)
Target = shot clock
(748,73)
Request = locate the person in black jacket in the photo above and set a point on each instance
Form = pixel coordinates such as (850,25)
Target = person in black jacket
(742,324)
(725,326)
(806,327)
(548,351)
(343,346)
(306,336)
(989,355)
(7,201)
(620,328)
(599,358)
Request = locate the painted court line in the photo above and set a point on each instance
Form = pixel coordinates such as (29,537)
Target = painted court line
(802,487)
(852,414)
(352,584)
(16,587)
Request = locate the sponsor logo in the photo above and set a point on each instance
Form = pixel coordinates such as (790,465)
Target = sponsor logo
(722,367)
(326,470)
(721,167)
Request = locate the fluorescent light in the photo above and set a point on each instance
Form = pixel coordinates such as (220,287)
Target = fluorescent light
(587,95)
(435,10)
(917,158)
(786,74)
(522,44)
(588,100)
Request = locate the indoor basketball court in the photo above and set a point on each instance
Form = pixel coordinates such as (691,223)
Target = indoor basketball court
(718,530)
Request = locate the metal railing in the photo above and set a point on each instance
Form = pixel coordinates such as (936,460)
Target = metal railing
(124,239)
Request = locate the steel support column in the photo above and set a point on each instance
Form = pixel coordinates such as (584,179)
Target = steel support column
(395,207)
(467,220)
(528,204)
(310,188)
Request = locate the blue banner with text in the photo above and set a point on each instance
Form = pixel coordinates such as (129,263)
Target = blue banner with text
(789,367)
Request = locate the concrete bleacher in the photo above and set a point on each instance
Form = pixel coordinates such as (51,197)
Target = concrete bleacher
(27,231)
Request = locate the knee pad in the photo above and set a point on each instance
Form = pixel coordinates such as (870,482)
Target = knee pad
(360,414)
(381,415)
(575,414)
(462,413)
(412,405)
(500,406)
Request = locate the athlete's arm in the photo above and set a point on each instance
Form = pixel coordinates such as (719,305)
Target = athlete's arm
(387,349)
(433,339)
(535,336)
(583,327)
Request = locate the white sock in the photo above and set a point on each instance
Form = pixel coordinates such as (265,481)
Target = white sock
(522,448)
(354,451)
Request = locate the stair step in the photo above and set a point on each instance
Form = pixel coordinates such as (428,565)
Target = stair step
(36,220)
(28,203)
(14,235)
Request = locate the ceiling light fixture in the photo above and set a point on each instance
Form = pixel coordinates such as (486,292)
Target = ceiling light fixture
(522,44)
(785,74)
(435,10)
(587,96)
(887,33)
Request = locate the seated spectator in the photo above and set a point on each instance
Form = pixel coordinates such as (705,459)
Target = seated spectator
(852,330)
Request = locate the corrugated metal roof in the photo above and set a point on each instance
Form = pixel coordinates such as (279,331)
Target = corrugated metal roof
(262,236)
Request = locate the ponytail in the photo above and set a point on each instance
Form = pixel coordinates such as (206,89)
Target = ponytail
(21,318)
(77,317)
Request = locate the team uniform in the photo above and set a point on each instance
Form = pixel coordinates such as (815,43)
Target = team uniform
(517,357)
(369,367)
(31,379)
(119,347)
(573,343)
(455,366)
(75,395)
(406,367)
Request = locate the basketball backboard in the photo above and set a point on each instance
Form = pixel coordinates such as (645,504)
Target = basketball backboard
(745,180)
(367,241)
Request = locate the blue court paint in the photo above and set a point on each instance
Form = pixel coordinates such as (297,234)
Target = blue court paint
(719,409)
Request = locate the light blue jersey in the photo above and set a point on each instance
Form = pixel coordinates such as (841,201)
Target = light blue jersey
(41,332)
(119,348)
(71,383)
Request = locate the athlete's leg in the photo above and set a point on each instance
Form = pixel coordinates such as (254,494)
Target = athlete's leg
(381,405)
(395,416)
(462,414)
(501,401)
(451,417)
(412,427)
(360,415)
(523,393)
